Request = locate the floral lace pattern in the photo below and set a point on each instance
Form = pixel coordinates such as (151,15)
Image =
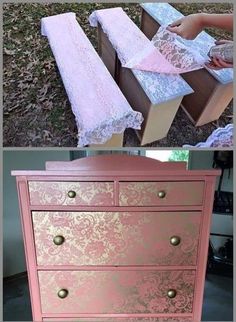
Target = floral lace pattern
(115,23)
(56,193)
(167,54)
(220,138)
(165,14)
(117,292)
(145,193)
(99,106)
(116,238)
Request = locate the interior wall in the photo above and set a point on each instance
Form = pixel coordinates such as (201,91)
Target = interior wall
(13,251)
(204,160)
(221,223)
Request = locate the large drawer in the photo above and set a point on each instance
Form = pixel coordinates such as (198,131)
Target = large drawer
(107,292)
(116,238)
(127,319)
(71,193)
(161,193)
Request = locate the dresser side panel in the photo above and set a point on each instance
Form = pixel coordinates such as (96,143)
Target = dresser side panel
(203,247)
(27,229)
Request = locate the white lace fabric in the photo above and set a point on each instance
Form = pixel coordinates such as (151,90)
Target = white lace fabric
(99,106)
(219,138)
(166,53)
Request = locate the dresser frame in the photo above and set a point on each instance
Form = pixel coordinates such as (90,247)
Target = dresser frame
(114,168)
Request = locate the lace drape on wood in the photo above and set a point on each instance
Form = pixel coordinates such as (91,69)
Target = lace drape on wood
(99,106)
(167,53)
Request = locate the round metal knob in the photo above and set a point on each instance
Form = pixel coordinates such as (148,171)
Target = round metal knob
(171,293)
(58,240)
(175,240)
(161,194)
(63,293)
(71,194)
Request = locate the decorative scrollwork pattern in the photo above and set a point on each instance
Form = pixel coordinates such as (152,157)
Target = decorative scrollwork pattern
(56,193)
(117,291)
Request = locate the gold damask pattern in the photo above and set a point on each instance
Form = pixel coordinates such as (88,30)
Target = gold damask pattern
(117,292)
(146,193)
(116,238)
(56,193)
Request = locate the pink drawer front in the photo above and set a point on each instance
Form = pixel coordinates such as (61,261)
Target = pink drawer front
(116,238)
(161,193)
(116,292)
(169,319)
(71,193)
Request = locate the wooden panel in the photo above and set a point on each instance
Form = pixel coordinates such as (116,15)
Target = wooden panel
(159,120)
(116,238)
(149,26)
(147,193)
(116,141)
(86,193)
(117,291)
(209,99)
(106,52)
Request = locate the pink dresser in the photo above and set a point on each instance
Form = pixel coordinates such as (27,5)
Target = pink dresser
(116,238)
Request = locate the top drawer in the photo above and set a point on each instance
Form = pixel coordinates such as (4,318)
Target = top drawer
(71,193)
(161,193)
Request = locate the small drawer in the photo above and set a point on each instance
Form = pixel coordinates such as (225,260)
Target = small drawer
(114,319)
(71,193)
(117,292)
(161,193)
(116,238)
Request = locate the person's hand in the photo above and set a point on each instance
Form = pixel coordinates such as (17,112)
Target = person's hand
(188,27)
(217,62)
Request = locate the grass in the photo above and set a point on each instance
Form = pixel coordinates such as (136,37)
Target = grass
(36,109)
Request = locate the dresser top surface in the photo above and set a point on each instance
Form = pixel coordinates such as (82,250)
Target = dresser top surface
(111,165)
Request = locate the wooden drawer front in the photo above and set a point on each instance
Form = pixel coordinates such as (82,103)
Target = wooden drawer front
(151,193)
(86,193)
(129,292)
(116,238)
(128,319)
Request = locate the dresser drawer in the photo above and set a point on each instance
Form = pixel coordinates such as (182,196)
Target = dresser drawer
(161,193)
(128,319)
(114,292)
(71,193)
(116,238)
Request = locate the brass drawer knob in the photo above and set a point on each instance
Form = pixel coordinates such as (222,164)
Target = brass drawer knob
(175,240)
(71,194)
(58,240)
(63,293)
(171,293)
(161,194)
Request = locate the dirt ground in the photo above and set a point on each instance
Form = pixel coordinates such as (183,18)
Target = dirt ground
(36,109)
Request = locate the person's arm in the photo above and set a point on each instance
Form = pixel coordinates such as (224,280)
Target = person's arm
(190,26)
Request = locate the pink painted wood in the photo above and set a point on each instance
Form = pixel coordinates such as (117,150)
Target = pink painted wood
(29,248)
(57,193)
(117,291)
(119,170)
(116,238)
(110,163)
(147,193)
(124,319)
